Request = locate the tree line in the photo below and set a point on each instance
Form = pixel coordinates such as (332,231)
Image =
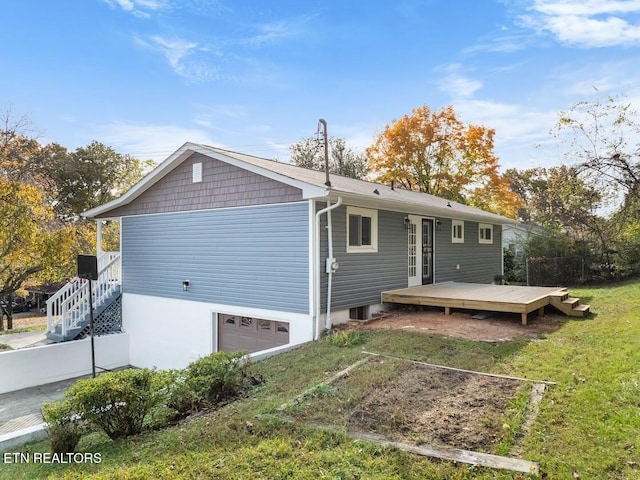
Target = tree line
(588,206)
(43,191)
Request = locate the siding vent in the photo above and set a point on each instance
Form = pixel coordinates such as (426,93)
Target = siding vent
(359,313)
(197,172)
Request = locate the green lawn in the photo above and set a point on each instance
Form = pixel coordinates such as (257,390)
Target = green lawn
(588,425)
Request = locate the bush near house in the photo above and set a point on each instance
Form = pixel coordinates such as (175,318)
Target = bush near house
(345,338)
(209,381)
(126,402)
(65,426)
(117,402)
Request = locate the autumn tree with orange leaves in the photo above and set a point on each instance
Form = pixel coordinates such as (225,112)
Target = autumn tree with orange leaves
(434,152)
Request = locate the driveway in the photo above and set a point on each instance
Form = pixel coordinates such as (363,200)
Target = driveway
(25,339)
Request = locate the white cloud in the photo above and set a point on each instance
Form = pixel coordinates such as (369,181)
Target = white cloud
(150,141)
(586,7)
(183,56)
(522,137)
(456,84)
(459,86)
(271,32)
(174,49)
(598,79)
(139,8)
(504,43)
(586,23)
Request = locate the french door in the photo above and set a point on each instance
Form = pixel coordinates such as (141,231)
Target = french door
(420,250)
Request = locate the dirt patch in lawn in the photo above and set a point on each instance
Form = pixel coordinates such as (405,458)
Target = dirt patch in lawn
(499,327)
(431,406)
(411,402)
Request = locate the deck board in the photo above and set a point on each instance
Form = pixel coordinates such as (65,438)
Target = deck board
(476,296)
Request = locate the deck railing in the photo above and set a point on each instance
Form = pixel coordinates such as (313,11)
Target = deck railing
(69,306)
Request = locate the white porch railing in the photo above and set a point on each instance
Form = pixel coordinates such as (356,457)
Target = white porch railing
(69,306)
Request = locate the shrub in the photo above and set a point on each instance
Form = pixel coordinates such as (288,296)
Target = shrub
(117,401)
(345,338)
(210,380)
(65,427)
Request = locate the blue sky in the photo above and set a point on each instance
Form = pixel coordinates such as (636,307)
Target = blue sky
(144,76)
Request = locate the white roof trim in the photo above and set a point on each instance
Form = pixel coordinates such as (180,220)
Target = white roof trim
(184,152)
(356,192)
(421,210)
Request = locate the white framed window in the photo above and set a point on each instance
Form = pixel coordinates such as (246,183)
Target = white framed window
(362,230)
(485,233)
(457,231)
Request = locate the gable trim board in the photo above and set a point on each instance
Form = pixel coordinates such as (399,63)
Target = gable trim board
(176,159)
(259,253)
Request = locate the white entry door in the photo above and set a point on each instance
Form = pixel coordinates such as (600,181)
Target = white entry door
(414,244)
(420,250)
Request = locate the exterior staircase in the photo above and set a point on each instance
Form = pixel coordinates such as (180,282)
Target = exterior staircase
(568,305)
(68,312)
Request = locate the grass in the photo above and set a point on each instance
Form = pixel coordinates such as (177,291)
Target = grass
(588,424)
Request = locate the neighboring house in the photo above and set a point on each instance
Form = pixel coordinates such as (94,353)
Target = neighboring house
(225,251)
(515,236)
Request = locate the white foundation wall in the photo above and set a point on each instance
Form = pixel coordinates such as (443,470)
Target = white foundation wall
(342,316)
(170,333)
(30,367)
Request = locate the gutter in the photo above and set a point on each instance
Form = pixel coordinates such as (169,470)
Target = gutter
(331,266)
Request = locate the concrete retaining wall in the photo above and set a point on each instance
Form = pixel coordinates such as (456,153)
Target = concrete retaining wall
(30,367)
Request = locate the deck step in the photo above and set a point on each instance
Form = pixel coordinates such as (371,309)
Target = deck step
(569,305)
(581,310)
(571,302)
(559,295)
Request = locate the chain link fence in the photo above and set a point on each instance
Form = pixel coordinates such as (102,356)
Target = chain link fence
(555,271)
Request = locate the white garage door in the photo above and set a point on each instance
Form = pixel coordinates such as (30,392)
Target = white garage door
(250,334)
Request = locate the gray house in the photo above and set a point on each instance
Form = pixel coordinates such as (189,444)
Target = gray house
(225,251)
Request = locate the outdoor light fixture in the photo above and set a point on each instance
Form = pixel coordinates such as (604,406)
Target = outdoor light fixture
(185,285)
(406,222)
(438,224)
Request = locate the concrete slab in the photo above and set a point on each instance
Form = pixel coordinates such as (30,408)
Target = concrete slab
(25,339)
(21,415)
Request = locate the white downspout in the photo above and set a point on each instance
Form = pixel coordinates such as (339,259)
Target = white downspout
(316,332)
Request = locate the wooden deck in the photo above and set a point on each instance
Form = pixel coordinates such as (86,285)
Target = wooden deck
(494,298)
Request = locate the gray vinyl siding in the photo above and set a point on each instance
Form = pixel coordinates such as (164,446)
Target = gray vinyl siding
(361,277)
(249,257)
(223,185)
(479,263)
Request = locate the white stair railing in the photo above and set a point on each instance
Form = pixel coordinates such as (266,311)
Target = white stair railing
(69,306)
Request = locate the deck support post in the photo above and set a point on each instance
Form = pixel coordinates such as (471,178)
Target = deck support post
(524,318)
(447,310)
(541,311)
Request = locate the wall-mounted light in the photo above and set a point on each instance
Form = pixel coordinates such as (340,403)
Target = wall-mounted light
(185,285)
(406,222)
(438,224)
